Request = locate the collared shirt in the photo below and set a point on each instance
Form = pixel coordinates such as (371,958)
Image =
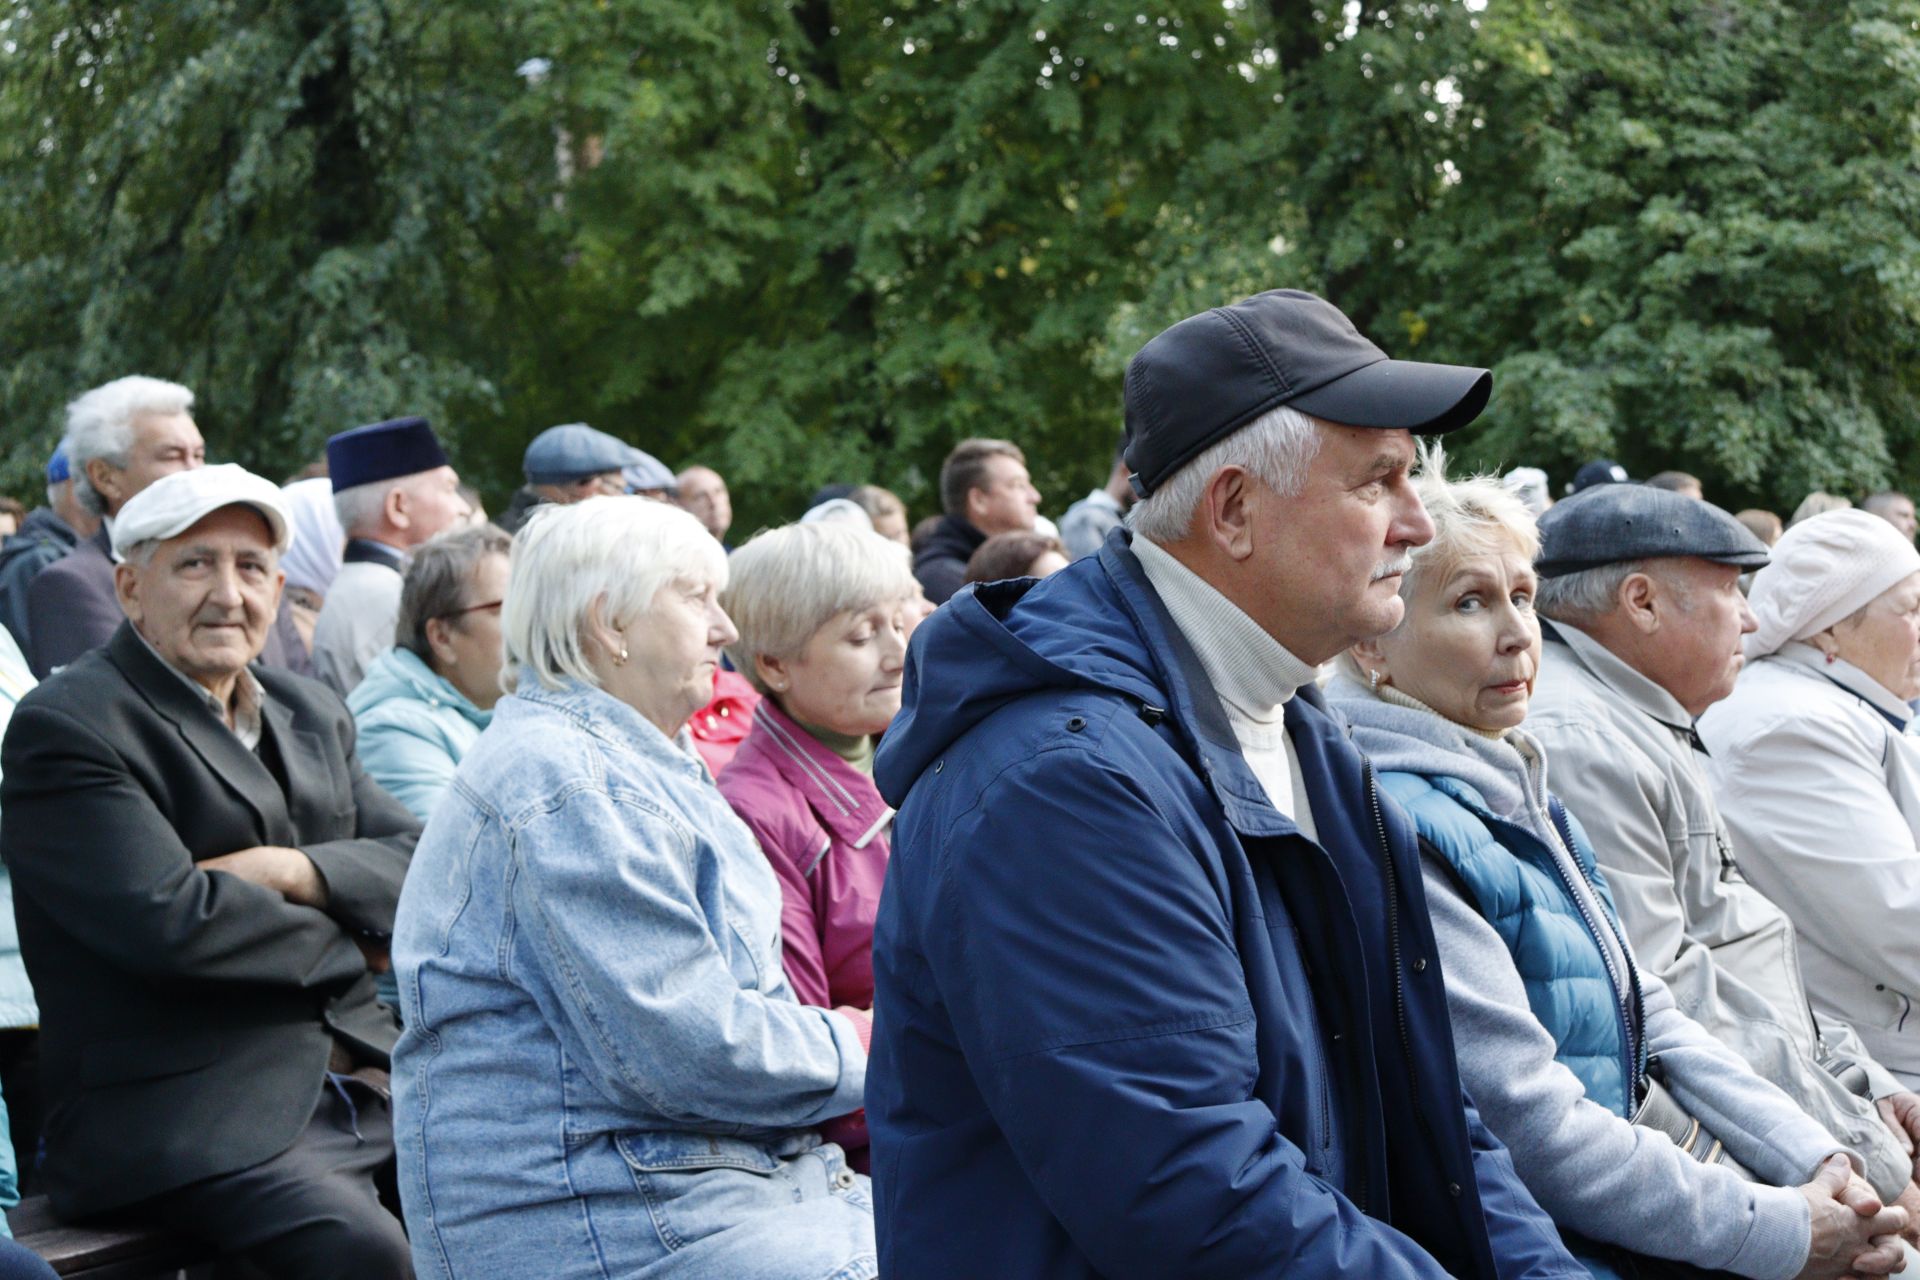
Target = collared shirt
(241,716)
(1253,674)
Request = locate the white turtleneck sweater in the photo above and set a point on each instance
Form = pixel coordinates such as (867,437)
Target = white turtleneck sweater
(1253,674)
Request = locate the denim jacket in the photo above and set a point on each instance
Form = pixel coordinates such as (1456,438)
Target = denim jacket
(588,947)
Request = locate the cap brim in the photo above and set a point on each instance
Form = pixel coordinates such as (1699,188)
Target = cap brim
(1402,394)
(1744,560)
(276,525)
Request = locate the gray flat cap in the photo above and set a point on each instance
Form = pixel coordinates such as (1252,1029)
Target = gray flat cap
(560,454)
(1609,523)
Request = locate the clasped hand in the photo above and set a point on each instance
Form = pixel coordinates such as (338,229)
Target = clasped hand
(1853,1233)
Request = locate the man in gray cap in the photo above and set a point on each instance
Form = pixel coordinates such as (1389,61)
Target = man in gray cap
(567,464)
(1644,618)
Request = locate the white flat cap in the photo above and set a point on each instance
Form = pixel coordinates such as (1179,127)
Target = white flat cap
(175,503)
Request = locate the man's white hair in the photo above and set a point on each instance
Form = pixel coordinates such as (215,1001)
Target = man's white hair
(100,425)
(567,559)
(1277,447)
(361,508)
(789,582)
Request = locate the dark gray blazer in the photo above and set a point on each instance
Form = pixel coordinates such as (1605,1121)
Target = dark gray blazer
(186,1016)
(72,609)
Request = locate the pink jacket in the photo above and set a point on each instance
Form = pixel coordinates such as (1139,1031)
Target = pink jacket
(820,822)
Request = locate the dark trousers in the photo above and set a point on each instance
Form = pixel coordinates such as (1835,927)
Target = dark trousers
(313,1212)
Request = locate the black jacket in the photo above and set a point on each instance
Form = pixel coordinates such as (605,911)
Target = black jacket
(941,561)
(187,1017)
(523,504)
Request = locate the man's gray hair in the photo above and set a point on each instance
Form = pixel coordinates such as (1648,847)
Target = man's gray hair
(100,425)
(438,579)
(1277,447)
(360,508)
(1585,595)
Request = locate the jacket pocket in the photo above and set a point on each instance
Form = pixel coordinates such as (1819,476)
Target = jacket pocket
(696,1186)
(147,1058)
(686,1152)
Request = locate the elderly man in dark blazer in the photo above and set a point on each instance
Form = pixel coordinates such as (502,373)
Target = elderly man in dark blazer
(203,877)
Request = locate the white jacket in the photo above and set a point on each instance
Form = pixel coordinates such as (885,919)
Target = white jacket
(1820,785)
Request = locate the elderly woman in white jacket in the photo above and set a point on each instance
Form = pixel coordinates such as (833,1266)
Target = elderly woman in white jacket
(1817,778)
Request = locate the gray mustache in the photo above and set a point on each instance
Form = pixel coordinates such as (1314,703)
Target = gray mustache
(1387,568)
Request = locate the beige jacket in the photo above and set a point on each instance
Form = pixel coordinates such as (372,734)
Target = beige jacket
(1627,764)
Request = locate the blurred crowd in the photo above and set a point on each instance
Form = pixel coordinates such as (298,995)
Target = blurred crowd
(1175,887)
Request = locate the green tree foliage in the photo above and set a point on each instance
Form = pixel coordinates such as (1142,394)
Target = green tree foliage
(1683,234)
(817,240)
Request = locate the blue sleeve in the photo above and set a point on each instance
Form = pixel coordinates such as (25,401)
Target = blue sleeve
(1089,966)
(1526,1246)
(9,1174)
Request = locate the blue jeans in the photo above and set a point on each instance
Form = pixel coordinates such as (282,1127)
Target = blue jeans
(672,1208)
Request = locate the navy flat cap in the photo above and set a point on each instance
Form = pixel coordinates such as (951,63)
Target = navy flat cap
(382,451)
(560,454)
(1611,523)
(1213,373)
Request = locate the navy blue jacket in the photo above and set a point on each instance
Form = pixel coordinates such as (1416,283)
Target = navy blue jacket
(1129,1021)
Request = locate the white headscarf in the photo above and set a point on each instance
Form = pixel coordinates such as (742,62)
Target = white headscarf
(318,539)
(1824,570)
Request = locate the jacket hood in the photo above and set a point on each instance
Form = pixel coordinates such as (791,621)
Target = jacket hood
(952,537)
(399,675)
(43,525)
(995,642)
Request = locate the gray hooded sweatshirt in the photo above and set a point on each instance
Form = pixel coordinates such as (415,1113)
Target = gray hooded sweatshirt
(1595,1173)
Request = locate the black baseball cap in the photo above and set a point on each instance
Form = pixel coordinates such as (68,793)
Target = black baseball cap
(1599,471)
(1213,373)
(1612,523)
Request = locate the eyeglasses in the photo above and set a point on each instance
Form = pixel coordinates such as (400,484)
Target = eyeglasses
(492,605)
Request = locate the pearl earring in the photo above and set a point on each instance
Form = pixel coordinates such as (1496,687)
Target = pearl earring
(1373,681)
(620,659)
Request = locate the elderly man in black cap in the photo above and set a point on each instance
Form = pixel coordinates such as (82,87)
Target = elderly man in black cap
(566,464)
(393,489)
(1155,981)
(1644,618)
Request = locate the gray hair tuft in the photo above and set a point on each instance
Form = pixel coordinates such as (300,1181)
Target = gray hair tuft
(1277,447)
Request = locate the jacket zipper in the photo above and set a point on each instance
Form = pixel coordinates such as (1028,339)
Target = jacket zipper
(1625,1003)
(1393,952)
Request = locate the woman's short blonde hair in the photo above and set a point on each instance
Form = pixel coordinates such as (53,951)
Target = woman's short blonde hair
(1477,516)
(789,582)
(606,554)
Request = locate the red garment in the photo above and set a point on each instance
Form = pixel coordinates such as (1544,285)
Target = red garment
(722,725)
(822,824)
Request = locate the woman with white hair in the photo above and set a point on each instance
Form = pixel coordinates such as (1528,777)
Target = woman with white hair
(1819,780)
(823,615)
(604,1071)
(1578,1060)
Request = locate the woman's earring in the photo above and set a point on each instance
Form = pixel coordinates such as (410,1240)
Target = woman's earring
(620,659)
(1832,658)
(1373,681)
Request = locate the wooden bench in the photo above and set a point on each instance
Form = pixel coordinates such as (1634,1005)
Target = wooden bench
(103,1252)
